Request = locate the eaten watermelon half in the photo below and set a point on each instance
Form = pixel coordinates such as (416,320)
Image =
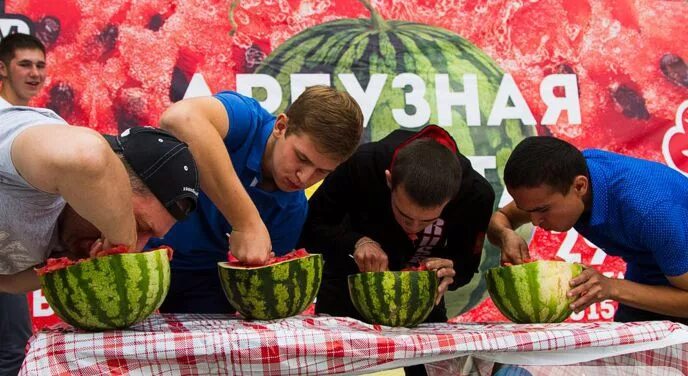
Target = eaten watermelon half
(109,292)
(394,298)
(533,292)
(283,287)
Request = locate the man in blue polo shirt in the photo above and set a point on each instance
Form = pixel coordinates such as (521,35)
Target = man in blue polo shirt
(253,168)
(632,208)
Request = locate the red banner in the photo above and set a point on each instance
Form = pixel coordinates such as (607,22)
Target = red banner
(608,74)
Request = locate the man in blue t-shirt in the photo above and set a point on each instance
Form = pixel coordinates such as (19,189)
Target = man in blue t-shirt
(254,168)
(629,207)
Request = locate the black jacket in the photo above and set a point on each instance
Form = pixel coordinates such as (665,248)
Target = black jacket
(355,201)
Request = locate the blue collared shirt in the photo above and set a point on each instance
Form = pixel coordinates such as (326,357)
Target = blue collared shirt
(199,241)
(639,212)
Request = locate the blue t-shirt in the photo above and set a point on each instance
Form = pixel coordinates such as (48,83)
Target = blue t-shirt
(199,241)
(639,212)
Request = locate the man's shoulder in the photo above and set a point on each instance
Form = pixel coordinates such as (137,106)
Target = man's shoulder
(14,115)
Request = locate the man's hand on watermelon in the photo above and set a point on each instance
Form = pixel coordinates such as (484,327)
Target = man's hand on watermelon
(369,256)
(501,232)
(251,246)
(514,249)
(590,287)
(445,272)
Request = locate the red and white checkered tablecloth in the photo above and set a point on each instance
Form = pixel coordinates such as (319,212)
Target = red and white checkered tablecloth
(195,344)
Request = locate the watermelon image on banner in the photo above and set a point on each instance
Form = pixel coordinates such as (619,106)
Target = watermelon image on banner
(376,51)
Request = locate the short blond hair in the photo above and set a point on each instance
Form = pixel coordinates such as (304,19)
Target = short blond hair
(331,118)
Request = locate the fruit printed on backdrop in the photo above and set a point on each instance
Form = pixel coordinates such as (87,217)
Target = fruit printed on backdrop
(608,74)
(285,286)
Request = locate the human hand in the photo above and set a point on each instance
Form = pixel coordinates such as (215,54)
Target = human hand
(514,249)
(251,246)
(445,272)
(589,287)
(369,256)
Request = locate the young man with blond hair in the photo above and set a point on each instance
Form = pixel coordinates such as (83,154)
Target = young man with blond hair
(254,168)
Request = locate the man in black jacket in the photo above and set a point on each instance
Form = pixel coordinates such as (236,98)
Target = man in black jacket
(409,199)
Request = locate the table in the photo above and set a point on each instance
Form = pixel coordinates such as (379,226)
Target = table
(194,344)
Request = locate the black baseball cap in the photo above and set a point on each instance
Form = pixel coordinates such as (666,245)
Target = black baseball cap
(163,163)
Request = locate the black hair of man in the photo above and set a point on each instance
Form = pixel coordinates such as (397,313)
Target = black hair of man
(429,172)
(18,41)
(544,160)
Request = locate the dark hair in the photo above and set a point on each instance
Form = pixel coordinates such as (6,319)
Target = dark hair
(429,172)
(18,41)
(544,160)
(137,185)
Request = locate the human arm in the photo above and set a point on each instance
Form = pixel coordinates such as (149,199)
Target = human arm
(21,282)
(591,287)
(662,232)
(468,217)
(501,232)
(203,123)
(78,164)
(328,228)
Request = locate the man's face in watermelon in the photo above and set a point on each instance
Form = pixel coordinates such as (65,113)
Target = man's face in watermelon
(293,161)
(412,217)
(551,209)
(152,220)
(23,76)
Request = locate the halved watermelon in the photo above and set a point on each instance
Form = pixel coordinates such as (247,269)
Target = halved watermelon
(286,286)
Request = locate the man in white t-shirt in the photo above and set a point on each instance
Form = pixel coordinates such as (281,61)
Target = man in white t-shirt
(22,71)
(68,190)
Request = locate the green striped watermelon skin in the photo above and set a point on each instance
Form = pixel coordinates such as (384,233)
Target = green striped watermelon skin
(111,292)
(275,291)
(364,47)
(403,298)
(534,292)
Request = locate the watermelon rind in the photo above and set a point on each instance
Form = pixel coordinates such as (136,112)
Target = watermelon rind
(394,298)
(273,291)
(533,292)
(110,292)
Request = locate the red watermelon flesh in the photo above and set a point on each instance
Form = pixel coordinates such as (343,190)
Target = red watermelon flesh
(299,253)
(53,264)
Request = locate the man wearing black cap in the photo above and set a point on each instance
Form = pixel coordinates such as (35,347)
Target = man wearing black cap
(66,189)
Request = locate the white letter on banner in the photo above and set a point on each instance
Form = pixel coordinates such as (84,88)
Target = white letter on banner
(246,82)
(447,98)
(413,98)
(300,81)
(482,163)
(197,87)
(555,105)
(40,305)
(366,99)
(501,109)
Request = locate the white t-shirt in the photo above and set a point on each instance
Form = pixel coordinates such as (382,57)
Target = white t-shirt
(4,103)
(28,216)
